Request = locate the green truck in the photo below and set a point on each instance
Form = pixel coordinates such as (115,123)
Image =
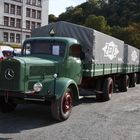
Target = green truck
(60,61)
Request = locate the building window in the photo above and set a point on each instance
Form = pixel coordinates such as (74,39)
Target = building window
(28,1)
(27,36)
(12,37)
(6,36)
(18,10)
(12,10)
(38,14)
(18,38)
(6,8)
(33,25)
(12,22)
(28,25)
(33,2)
(18,23)
(39,3)
(6,21)
(28,12)
(33,13)
(38,24)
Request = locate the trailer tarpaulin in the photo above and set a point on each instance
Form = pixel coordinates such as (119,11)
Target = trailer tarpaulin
(98,47)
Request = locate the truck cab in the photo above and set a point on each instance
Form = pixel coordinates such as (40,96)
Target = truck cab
(50,71)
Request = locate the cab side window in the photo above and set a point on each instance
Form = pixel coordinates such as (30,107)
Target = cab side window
(75,51)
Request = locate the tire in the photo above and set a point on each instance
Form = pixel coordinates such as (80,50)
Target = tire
(124,83)
(8,106)
(133,80)
(138,78)
(107,89)
(98,97)
(98,84)
(61,108)
(98,90)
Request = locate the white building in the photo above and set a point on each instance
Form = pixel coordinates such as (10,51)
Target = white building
(19,17)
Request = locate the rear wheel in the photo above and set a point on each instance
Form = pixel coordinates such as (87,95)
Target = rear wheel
(133,80)
(98,91)
(7,105)
(99,97)
(138,78)
(124,83)
(107,89)
(61,108)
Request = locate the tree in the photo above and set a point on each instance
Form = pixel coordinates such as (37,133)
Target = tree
(52,18)
(122,12)
(130,34)
(98,23)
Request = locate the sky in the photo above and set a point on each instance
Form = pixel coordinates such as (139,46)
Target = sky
(56,7)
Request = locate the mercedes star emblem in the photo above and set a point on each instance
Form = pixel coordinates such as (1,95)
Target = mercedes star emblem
(9,74)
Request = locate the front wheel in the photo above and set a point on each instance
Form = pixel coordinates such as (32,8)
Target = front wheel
(61,108)
(7,106)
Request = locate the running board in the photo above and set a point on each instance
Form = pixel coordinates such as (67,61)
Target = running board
(89,92)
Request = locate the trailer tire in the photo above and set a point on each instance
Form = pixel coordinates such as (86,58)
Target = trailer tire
(8,106)
(107,89)
(138,78)
(125,83)
(133,80)
(61,108)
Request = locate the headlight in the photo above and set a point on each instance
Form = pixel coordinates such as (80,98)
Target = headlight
(37,87)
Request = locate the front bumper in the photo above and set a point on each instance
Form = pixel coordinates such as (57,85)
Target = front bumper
(29,96)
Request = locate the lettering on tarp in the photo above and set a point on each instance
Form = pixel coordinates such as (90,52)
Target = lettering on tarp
(134,56)
(111,50)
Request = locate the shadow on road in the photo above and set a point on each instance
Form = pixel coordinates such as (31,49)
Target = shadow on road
(27,117)
(86,100)
(5,138)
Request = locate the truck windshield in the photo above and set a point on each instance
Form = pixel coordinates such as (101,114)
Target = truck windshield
(48,47)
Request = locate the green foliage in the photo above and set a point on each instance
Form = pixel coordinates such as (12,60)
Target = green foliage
(130,34)
(97,22)
(122,12)
(52,18)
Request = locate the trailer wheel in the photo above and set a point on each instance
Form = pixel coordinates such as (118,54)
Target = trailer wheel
(133,80)
(125,83)
(107,89)
(138,78)
(61,108)
(7,106)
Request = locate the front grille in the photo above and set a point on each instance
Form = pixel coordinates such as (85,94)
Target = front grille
(10,75)
(42,70)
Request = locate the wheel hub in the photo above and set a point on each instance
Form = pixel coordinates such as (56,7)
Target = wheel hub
(67,102)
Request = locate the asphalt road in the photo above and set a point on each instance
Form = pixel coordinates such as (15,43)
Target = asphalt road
(118,119)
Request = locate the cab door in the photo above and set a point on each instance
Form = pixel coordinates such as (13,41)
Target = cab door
(74,64)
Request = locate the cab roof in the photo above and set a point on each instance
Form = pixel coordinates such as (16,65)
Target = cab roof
(65,39)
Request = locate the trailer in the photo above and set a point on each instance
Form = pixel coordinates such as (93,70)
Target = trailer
(65,59)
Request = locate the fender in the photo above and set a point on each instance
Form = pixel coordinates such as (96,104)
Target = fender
(61,85)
